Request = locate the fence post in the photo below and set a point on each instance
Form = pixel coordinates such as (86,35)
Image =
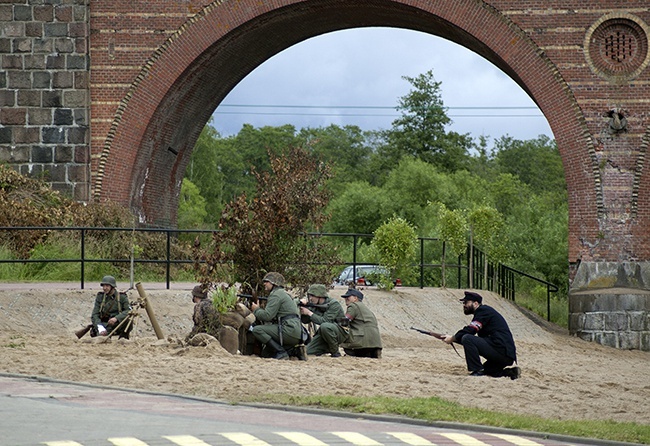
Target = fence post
(83,256)
(548,303)
(421,263)
(168,254)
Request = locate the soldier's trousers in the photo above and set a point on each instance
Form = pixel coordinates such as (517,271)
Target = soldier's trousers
(475,347)
(264,333)
(327,339)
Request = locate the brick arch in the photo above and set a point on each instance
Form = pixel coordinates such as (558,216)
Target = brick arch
(179,87)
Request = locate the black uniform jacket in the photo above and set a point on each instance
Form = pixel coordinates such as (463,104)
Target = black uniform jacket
(489,324)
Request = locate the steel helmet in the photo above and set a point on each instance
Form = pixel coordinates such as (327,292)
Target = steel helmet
(317,290)
(275,278)
(199,292)
(109,280)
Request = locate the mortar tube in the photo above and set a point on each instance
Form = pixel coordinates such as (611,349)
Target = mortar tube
(149,309)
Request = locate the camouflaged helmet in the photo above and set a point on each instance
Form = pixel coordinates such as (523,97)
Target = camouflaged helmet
(109,280)
(275,278)
(317,290)
(199,292)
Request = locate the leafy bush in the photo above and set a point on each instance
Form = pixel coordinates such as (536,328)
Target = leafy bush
(267,232)
(395,244)
(224,298)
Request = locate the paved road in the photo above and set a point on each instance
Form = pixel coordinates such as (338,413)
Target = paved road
(40,411)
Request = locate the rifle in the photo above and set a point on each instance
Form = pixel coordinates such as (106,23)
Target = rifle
(430,333)
(311,305)
(435,335)
(247,299)
(82,331)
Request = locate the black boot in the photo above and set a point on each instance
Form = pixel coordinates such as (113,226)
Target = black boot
(280,352)
(301,352)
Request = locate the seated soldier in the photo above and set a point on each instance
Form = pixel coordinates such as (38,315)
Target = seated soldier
(110,311)
(364,339)
(205,316)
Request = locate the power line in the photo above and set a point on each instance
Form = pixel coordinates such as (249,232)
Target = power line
(373,107)
(367,107)
(352,115)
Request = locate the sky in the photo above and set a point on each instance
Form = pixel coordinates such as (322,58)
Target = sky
(355,77)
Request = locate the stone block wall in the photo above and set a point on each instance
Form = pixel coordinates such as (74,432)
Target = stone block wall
(44,91)
(610,304)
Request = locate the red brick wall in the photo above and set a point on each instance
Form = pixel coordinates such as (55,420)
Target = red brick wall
(160,67)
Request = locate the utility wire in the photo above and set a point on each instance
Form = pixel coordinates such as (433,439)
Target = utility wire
(352,115)
(374,107)
(368,107)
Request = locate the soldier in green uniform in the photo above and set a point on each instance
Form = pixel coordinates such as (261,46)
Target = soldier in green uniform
(321,310)
(280,320)
(365,340)
(111,308)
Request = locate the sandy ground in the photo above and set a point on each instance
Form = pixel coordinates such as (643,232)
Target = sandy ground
(562,377)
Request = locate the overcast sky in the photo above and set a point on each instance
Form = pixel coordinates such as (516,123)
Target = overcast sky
(354,77)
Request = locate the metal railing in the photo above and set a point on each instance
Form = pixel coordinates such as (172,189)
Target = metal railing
(499,278)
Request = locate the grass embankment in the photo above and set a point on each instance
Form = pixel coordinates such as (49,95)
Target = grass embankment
(434,409)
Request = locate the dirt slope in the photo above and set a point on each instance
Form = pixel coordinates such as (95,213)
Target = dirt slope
(562,377)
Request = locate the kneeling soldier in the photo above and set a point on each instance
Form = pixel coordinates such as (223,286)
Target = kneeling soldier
(326,313)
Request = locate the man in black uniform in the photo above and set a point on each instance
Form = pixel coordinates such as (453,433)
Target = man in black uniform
(494,340)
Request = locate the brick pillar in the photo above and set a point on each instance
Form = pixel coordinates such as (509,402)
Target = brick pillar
(44,128)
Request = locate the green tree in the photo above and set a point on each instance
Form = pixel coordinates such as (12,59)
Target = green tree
(536,162)
(508,192)
(453,230)
(191,207)
(469,190)
(219,171)
(538,238)
(255,144)
(412,186)
(361,208)
(222,167)
(420,130)
(343,148)
(486,228)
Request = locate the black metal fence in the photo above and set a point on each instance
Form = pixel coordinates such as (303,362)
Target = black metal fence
(435,267)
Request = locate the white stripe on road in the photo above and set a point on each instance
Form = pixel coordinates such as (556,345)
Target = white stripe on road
(301,438)
(412,439)
(185,440)
(244,439)
(356,438)
(127,441)
(62,443)
(465,440)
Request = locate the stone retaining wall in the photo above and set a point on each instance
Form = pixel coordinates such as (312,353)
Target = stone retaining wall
(617,315)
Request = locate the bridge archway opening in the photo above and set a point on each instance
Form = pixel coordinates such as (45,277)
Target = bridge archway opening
(186,81)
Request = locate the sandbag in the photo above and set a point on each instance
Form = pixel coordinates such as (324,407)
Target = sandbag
(229,339)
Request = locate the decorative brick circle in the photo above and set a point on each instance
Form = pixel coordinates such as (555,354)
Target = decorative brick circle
(616,46)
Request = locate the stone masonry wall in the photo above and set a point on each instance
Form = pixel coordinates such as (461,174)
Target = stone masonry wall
(44,100)
(610,304)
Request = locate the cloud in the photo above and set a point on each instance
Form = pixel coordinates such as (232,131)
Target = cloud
(363,68)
